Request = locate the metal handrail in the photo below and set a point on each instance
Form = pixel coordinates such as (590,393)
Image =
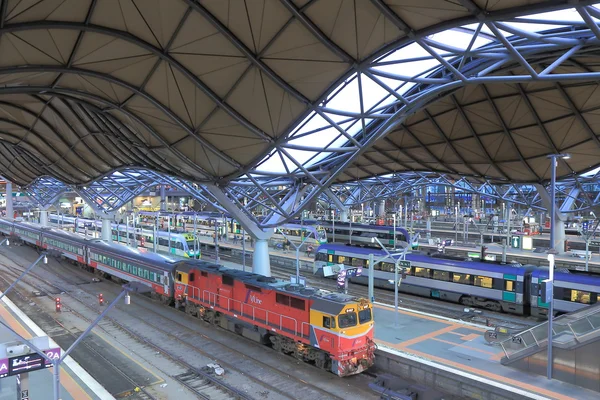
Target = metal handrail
(271,318)
(569,325)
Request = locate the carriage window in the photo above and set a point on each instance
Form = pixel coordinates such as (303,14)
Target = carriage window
(441,275)
(388,267)
(579,296)
(509,286)
(422,272)
(341,259)
(330,258)
(321,257)
(358,262)
(484,281)
(461,278)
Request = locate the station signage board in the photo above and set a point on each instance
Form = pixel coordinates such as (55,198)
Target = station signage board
(27,363)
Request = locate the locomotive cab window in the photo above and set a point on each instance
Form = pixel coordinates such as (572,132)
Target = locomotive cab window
(179,277)
(347,320)
(364,316)
(328,322)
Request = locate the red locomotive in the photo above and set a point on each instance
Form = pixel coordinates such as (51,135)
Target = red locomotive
(334,331)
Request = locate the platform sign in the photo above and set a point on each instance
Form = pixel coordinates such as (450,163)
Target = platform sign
(27,363)
(594,242)
(515,242)
(404,264)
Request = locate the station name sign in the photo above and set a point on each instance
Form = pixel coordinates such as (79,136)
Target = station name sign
(27,363)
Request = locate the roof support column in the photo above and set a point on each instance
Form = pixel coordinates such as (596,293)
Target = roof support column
(570,200)
(163,198)
(338,203)
(106,229)
(558,218)
(9,201)
(44,217)
(260,260)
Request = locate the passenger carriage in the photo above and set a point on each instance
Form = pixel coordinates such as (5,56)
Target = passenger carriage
(129,264)
(571,292)
(71,245)
(471,283)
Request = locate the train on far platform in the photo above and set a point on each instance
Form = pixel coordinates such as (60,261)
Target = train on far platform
(511,288)
(333,331)
(178,244)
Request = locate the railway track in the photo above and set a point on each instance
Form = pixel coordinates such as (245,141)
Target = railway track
(442,308)
(270,375)
(142,393)
(204,386)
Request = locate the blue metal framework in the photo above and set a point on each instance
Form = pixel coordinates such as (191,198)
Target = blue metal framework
(150,132)
(113,191)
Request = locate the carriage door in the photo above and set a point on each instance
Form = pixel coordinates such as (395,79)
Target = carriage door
(166,281)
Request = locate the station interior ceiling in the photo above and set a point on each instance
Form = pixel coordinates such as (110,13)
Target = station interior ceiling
(281,101)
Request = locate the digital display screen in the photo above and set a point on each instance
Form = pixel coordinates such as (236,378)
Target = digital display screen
(26,363)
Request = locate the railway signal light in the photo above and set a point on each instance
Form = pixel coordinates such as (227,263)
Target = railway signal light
(58,304)
(100,299)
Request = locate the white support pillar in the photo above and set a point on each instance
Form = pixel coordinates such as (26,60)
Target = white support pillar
(261,263)
(381,211)
(44,217)
(163,198)
(344,215)
(558,219)
(106,229)
(9,201)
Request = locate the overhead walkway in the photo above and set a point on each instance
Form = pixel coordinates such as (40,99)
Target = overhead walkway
(576,344)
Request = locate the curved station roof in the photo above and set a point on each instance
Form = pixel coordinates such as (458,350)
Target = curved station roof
(327,90)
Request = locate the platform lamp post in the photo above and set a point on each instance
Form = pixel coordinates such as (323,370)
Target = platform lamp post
(400,256)
(333,226)
(551,252)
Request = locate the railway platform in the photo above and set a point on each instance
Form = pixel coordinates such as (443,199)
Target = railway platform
(76,383)
(461,346)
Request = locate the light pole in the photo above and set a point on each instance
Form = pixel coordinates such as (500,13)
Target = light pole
(394,229)
(297,248)
(551,252)
(333,225)
(553,161)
